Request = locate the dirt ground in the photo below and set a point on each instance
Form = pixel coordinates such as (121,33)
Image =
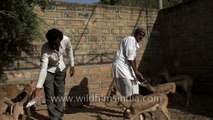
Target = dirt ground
(201,108)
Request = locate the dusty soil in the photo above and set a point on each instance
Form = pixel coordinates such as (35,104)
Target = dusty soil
(201,108)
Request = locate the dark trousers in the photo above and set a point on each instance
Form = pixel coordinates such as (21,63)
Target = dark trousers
(54,93)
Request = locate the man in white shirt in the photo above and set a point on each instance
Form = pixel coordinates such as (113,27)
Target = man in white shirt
(124,70)
(53,71)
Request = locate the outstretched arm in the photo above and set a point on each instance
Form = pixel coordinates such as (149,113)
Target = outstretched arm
(71,57)
(42,73)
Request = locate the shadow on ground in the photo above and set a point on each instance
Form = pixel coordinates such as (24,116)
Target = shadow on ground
(98,110)
(35,115)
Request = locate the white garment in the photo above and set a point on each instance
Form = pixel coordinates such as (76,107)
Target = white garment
(52,59)
(125,51)
(122,72)
(127,87)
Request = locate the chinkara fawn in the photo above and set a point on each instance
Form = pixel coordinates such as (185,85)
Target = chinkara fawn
(17,110)
(139,104)
(160,88)
(15,92)
(185,82)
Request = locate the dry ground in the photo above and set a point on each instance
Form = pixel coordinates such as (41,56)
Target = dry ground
(200,109)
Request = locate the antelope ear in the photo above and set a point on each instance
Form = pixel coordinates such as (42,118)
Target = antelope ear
(144,83)
(32,83)
(20,87)
(9,102)
(148,80)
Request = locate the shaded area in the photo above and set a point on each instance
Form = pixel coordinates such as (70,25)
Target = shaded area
(37,116)
(200,105)
(182,43)
(179,44)
(78,95)
(98,110)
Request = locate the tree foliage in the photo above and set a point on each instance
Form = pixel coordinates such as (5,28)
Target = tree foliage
(132,3)
(19,25)
(141,3)
(169,3)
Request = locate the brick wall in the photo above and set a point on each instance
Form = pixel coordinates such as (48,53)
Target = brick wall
(179,38)
(95,31)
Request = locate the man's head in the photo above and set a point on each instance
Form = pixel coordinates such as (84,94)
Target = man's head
(54,37)
(139,33)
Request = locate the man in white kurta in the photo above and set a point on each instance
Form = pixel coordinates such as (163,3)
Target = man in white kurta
(124,71)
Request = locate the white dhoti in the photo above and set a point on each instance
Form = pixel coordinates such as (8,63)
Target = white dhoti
(127,87)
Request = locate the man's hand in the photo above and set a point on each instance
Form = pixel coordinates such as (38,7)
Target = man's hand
(72,71)
(139,76)
(37,92)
